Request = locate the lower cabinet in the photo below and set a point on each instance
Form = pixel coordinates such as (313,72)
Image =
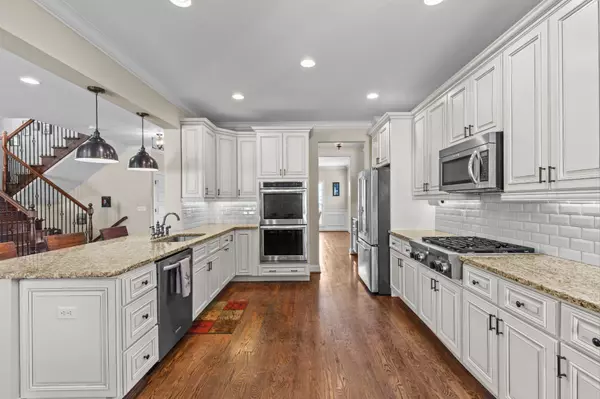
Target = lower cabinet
(396,273)
(246,252)
(214,276)
(581,379)
(227,264)
(410,284)
(427,298)
(200,287)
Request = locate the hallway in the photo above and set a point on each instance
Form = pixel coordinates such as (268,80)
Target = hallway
(327,338)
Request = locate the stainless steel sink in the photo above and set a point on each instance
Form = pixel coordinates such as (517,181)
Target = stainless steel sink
(180,238)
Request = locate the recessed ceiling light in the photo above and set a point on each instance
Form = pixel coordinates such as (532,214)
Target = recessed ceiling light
(308,63)
(237,96)
(29,80)
(372,96)
(432,2)
(182,3)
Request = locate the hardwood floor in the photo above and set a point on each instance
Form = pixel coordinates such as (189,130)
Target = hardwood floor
(327,338)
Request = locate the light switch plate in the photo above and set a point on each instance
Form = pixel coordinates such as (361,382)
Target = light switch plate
(141,208)
(67,312)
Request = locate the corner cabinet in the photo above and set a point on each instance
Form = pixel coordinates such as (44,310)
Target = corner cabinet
(282,155)
(246,251)
(198,162)
(247,186)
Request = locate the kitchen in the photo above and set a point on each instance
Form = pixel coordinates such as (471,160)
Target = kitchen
(500,161)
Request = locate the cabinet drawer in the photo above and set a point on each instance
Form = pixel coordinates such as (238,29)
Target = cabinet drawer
(480,282)
(406,249)
(138,282)
(530,306)
(580,329)
(226,239)
(396,243)
(139,317)
(213,246)
(200,252)
(283,271)
(140,358)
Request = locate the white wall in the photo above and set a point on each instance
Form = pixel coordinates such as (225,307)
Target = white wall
(335,209)
(130,192)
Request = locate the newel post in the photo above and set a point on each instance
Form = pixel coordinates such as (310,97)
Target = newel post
(4,160)
(90,212)
(32,216)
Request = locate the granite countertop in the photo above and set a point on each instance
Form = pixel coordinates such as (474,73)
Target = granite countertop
(107,258)
(417,234)
(570,281)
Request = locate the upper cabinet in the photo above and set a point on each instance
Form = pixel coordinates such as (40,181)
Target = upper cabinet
(429,132)
(226,166)
(282,155)
(246,164)
(198,162)
(420,156)
(458,115)
(380,145)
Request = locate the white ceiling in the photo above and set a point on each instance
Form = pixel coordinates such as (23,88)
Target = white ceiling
(334,162)
(62,103)
(198,56)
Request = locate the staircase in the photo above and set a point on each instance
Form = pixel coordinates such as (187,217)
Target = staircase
(31,205)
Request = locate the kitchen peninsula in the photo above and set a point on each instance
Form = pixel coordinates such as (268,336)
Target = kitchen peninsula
(83,321)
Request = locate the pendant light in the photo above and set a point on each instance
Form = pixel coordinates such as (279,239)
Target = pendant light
(96,150)
(142,160)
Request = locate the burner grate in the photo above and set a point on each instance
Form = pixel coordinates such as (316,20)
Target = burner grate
(476,245)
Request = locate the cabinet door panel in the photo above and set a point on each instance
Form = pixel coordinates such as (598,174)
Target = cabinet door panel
(200,287)
(487,97)
(210,164)
(419,154)
(458,100)
(269,155)
(295,155)
(527,359)
(449,309)
(436,131)
(226,170)
(582,379)
(410,285)
(191,165)
(395,273)
(480,344)
(384,144)
(525,102)
(214,277)
(375,150)
(427,299)
(575,95)
(246,161)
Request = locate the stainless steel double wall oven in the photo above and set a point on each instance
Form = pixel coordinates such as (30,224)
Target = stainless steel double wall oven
(283,221)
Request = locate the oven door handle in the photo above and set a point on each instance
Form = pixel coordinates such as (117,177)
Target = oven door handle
(280,227)
(283,191)
(471,162)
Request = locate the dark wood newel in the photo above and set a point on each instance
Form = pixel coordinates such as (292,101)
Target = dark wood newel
(90,212)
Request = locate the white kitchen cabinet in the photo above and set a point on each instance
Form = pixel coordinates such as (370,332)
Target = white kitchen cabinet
(282,155)
(227,264)
(581,379)
(68,332)
(420,158)
(209,150)
(198,162)
(380,145)
(435,141)
(396,274)
(486,104)
(246,167)
(410,284)
(527,359)
(575,96)
(226,166)
(427,298)
(214,275)
(374,150)
(295,155)
(526,137)
(480,343)
(200,287)
(449,314)
(246,249)
(458,113)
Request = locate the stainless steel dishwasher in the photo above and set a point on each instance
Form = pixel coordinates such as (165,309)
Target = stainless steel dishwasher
(174,308)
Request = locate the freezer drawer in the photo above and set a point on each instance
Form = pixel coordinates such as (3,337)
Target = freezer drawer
(367,266)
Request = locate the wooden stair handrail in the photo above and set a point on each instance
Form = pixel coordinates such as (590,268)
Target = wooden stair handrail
(115,224)
(40,176)
(20,128)
(14,203)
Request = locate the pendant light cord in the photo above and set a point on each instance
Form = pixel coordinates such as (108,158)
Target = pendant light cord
(96,111)
(143,132)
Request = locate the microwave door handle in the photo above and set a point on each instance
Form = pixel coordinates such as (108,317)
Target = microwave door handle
(471,173)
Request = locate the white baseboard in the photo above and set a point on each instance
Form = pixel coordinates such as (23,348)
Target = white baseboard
(314,268)
(273,279)
(335,228)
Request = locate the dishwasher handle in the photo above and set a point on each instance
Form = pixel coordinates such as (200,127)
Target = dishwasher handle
(171,267)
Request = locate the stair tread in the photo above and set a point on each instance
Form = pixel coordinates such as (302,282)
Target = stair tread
(60,147)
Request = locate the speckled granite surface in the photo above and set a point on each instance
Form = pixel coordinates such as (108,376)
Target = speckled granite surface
(106,258)
(417,234)
(573,282)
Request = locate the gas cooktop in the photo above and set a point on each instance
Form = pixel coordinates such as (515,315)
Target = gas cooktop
(478,245)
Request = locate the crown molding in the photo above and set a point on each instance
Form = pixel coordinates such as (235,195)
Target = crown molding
(527,22)
(84,28)
(389,116)
(321,125)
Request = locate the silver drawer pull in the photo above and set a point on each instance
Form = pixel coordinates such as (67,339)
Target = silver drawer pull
(146,357)
(272,271)
(475,282)
(145,316)
(520,304)
(294,270)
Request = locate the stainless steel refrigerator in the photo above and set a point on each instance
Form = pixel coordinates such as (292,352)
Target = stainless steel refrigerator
(373,229)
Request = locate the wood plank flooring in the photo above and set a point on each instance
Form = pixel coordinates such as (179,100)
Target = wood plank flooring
(327,338)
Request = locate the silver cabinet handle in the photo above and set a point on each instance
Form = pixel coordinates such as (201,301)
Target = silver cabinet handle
(550,169)
(272,271)
(206,191)
(218,191)
(239,192)
(470,130)
(294,271)
(284,172)
(540,170)
(466,131)
(281,172)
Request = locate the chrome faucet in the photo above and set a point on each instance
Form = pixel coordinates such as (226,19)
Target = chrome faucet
(160,230)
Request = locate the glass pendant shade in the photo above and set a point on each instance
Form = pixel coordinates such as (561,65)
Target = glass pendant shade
(142,161)
(96,150)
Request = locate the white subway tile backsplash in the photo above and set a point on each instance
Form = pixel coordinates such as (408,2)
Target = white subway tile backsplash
(570,231)
(196,214)
(569,254)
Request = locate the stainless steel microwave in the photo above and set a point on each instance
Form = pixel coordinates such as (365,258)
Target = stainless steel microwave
(473,166)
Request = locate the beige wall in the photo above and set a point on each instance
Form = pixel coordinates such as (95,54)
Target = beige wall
(131,195)
(328,175)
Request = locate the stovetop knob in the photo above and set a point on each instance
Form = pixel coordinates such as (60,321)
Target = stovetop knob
(420,256)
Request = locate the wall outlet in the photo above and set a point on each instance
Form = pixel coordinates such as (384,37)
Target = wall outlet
(142,208)
(67,312)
